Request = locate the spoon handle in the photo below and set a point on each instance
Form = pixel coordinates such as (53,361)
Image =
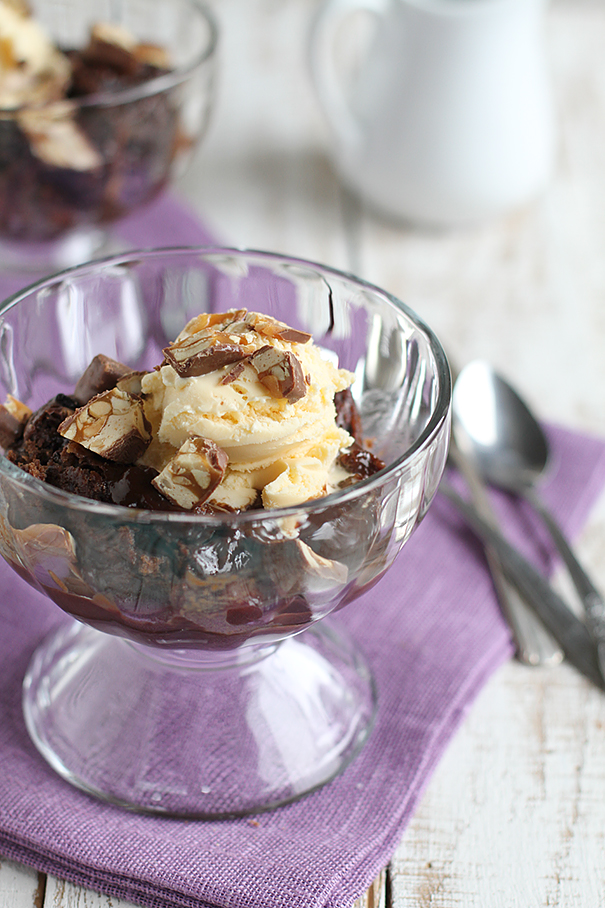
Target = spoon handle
(575,640)
(534,644)
(594,606)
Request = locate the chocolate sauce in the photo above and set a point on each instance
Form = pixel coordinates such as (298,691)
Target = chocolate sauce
(166,628)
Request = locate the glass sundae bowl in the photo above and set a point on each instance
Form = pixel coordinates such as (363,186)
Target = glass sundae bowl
(101,106)
(202,675)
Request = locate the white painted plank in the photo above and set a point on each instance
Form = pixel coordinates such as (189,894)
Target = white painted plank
(65,895)
(514,814)
(60,894)
(20,887)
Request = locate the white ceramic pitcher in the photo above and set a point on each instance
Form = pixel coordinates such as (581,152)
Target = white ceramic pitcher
(450,119)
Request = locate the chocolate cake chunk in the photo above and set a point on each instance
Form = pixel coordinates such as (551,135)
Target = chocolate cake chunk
(44,453)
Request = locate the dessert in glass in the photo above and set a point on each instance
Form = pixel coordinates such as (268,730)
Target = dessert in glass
(101,105)
(207,452)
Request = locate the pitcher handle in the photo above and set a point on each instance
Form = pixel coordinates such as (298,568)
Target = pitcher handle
(324,28)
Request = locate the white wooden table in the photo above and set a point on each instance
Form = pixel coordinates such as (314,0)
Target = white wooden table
(515,813)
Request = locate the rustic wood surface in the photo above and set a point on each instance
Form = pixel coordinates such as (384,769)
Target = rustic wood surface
(514,814)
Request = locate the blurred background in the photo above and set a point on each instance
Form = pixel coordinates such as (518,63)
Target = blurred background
(523,290)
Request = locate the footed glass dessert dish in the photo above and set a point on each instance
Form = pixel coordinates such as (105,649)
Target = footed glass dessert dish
(200,677)
(101,106)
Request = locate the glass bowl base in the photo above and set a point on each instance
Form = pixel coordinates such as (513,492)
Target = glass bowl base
(192,734)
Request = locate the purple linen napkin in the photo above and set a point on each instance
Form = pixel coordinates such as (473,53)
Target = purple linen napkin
(432,633)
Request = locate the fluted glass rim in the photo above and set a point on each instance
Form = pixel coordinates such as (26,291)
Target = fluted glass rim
(435,425)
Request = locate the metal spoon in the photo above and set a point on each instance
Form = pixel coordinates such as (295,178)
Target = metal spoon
(496,428)
(533,643)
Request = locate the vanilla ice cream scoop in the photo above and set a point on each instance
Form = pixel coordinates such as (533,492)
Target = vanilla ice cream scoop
(263,394)
(243,412)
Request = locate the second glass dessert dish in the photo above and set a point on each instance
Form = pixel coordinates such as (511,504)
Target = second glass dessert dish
(260,480)
(101,105)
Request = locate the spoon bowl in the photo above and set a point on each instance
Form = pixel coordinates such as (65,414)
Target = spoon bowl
(495,425)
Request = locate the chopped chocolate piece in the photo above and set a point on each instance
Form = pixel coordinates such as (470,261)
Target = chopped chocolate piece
(20,6)
(360,462)
(112,425)
(347,415)
(233,373)
(112,46)
(280,372)
(193,473)
(18,409)
(271,327)
(199,354)
(133,488)
(206,320)
(10,428)
(56,140)
(131,383)
(152,55)
(102,374)
(13,417)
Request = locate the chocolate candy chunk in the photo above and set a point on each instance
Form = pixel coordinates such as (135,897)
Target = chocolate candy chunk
(193,473)
(13,416)
(112,425)
(102,374)
(209,322)
(112,46)
(131,383)
(280,372)
(152,55)
(199,354)
(233,373)
(360,463)
(271,327)
(56,140)
(20,6)
(10,428)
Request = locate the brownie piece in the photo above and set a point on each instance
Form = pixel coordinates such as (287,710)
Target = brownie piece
(45,454)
